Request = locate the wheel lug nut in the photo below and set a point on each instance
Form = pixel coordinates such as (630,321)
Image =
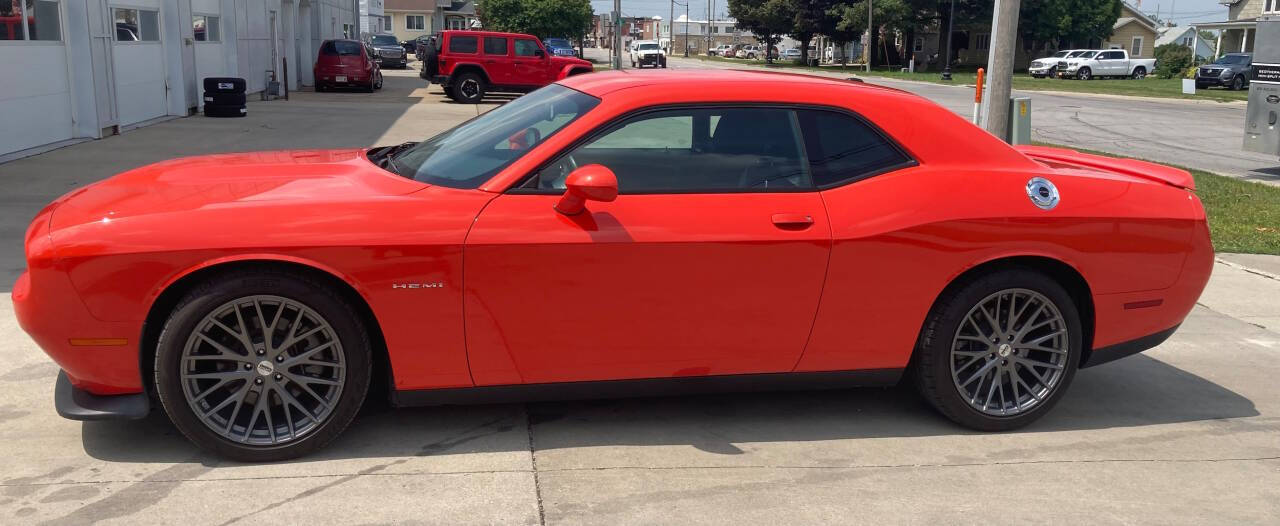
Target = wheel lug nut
(257,381)
(247,367)
(261,352)
(279,377)
(280,358)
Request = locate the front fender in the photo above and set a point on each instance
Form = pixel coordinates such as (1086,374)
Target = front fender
(568,69)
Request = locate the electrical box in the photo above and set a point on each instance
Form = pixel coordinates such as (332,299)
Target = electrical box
(1261,131)
(1019,121)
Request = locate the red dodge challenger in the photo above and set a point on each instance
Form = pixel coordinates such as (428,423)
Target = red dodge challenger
(611,234)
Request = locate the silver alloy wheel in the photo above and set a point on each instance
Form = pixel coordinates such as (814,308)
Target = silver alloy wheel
(469,88)
(263,370)
(1009,353)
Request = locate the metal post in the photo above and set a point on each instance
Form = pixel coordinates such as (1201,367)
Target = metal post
(671,30)
(951,20)
(617,34)
(1004,38)
(686,28)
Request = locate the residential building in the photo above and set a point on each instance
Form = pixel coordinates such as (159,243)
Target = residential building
(455,14)
(1134,31)
(1237,31)
(1187,37)
(693,33)
(83,69)
(410,19)
(371,13)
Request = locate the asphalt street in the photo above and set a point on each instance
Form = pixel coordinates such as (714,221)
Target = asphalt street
(1187,433)
(1198,134)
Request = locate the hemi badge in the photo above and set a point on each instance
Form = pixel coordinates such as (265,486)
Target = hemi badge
(1142,304)
(98,342)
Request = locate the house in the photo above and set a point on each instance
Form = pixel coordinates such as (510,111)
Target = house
(455,14)
(693,33)
(1134,31)
(1184,36)
(1237,32)
(410,19)
(87,69)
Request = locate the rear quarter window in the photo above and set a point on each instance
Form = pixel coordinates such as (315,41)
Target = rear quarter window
(463,44)
(842,148)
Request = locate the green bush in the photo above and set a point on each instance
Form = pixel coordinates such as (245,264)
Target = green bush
(1172,60)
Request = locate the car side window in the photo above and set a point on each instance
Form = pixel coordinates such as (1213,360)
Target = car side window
(842,148)
(495,45)
(526,47)
(689,150)
(463,44)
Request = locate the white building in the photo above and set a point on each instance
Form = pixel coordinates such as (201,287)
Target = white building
(371,17)
(81,69)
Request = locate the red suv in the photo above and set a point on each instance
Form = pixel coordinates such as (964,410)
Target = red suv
(469,64)
(347,63)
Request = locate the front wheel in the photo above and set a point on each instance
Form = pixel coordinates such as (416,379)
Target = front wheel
(262,365)
(997,352)
(1237,83)
(1084,74)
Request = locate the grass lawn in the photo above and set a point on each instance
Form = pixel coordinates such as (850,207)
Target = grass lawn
(1244,216)
(1148,87)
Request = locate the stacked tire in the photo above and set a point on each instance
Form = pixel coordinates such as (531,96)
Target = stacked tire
(224,97)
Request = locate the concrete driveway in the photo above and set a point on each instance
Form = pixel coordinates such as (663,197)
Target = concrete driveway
(1188,433)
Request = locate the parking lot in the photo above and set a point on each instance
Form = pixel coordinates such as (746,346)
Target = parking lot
(1187,433)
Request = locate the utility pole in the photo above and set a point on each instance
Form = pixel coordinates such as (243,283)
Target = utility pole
(671,30)
(869,48)
(686,27)
(1004,38)
(946,60)
(617,34)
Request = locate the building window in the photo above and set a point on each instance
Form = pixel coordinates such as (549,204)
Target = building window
(384,23)
(1135,48)
(136,25)
(206,28)
(1271,6)
(346,30)
(415,22)
(982,41)
(455,22)
(918,46)
(44,20)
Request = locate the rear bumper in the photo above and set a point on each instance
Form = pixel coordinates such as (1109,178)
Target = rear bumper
(1120,350)
(77,404)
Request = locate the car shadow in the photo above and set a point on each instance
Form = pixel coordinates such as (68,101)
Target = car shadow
(1266,175)
(1138,391)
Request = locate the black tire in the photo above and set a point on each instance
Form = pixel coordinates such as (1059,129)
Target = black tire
(933,367)
(211,85)
(225,111)
(469,88)
(430,64)
(210,295)
(320,87)
(1237,83)
(213,98)
(1084,74)
(1140,73)
(378,81)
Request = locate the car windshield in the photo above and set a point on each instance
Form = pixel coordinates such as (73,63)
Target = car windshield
(473,152)
(648,47)
(1086,54)
(1059,54)
(385,40)
(1232,59)
(557,42)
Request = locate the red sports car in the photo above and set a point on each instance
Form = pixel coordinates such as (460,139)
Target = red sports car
(627,232)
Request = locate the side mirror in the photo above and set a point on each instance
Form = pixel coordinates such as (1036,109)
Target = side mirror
(539,53)
(592,182)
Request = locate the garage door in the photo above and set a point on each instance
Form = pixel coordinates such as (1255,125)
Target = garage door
(138,55)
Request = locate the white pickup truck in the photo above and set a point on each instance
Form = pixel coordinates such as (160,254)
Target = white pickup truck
(1105,63)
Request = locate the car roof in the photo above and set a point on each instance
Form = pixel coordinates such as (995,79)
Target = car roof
(486,33)
(605,82)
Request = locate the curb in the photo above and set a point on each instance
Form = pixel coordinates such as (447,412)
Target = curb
(1250,270)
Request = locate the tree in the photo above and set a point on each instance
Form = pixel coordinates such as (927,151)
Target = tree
(832,24)
(541,18)
(1067,22)
(808,22)
(768,20)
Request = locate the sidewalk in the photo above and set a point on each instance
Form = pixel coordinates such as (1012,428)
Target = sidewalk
(1246,287)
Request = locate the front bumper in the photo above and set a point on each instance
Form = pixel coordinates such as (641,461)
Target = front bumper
(1212,81)
(394,61)
(1041,70)
(650,60)
(77,404)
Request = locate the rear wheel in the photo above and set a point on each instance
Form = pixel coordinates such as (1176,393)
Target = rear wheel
(999,351)
(1084,74)
(469,88)
(1140,73)
(262,366)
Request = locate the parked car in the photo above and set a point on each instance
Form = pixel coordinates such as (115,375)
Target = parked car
(647,53)
(1231,71)
(1105,63)
(590,272)
(1048,66)
(722,50)
(560,47)
(388,51)
(470,64)
(421,46)
(346,64)
(791,54)
(414,46)
(750,51)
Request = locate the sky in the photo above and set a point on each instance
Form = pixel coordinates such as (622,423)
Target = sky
(1184,11)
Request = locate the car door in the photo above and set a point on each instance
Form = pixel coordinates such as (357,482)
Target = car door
(531,63)
(1112,63)
(497,60)
(710,261)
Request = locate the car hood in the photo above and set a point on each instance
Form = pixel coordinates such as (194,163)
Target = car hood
(568,61)
(389,47)
(230,180)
